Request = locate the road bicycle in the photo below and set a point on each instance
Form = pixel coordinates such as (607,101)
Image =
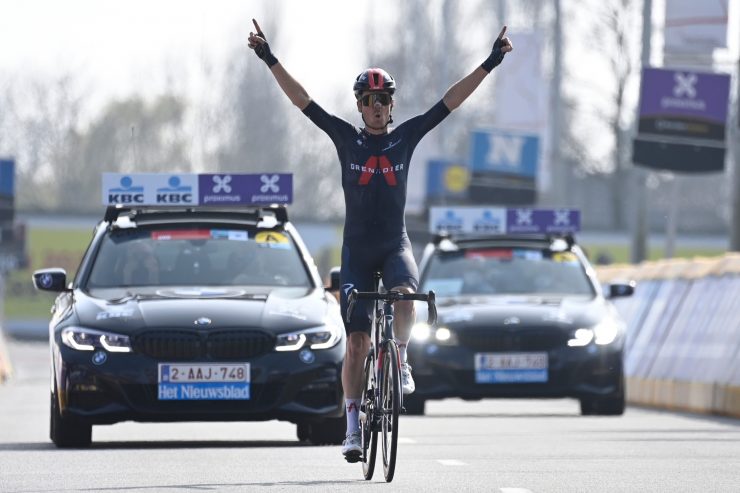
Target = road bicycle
(382,397)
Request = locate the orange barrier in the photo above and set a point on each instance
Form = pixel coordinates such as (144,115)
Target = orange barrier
(5,368)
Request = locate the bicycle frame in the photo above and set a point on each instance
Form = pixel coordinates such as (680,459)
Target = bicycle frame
(382,412)
(383,315)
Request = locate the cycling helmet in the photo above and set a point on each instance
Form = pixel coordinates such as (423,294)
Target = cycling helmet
(374,79)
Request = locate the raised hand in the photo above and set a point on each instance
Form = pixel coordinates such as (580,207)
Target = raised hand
(501,47)
(258,43)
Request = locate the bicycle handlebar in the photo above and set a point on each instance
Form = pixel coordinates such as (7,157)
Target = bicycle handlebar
(392,297)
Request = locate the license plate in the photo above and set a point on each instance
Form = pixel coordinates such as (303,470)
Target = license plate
(511,367)
(203,382)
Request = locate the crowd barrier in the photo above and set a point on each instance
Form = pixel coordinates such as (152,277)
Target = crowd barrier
(683,333)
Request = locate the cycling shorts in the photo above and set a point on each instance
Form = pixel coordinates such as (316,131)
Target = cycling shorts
(360,260)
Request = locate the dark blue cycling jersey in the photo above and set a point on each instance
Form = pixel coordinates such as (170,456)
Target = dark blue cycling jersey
(374,169)
(374,172)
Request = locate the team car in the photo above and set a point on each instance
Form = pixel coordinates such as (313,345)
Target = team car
(194,314)
(521,314)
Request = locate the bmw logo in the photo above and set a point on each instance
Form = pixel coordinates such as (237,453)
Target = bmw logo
(99,357)
(45,280)
(307,356)
(203,321)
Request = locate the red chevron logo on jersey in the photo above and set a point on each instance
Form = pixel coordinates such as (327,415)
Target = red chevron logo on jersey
(374,165)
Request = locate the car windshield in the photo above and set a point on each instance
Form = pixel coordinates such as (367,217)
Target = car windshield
(196,256)
(507,271)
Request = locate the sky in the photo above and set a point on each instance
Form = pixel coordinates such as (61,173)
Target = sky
(117,48)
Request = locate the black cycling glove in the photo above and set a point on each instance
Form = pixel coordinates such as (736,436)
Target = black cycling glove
(496,56)
(263,51)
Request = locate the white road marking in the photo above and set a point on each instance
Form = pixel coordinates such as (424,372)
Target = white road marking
(451,462)
(406,440)
(514,490)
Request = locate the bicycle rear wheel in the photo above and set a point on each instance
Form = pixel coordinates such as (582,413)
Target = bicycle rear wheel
(367,429)
(390,398)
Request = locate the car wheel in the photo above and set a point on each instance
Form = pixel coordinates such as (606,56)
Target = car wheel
(329,431)
(65,432)
(414,405)
(606,406)
(303,431)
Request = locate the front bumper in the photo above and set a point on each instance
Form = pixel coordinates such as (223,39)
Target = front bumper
(449,371)
(125,388)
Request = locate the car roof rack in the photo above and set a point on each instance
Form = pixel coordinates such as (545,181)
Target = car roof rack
(248,213)
(466,240)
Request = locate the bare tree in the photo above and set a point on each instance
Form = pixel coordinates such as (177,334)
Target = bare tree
(39,118)
(603,106)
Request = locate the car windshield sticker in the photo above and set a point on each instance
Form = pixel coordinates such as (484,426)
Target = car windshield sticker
(528,254)
(229,234)
(444,287)
(182,234)
(115,314)
(501,253)
(272,239)
(566,257)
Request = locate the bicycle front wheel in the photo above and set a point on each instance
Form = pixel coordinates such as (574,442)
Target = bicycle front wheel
(390,398)
(369,411)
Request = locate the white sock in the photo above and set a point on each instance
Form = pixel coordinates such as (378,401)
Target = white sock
(353,415)
(402,350)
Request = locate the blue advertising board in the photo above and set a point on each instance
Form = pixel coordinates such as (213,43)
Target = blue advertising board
(684,103)
(7,177)
(447,179)
(197,189)
(503,220)
(682,120)
(506,152)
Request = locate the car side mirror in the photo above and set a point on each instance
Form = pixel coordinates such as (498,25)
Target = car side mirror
(334,283)
(620,290)
(54,279)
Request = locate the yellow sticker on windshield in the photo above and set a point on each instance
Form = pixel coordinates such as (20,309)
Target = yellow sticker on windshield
(564,257)
(272,239)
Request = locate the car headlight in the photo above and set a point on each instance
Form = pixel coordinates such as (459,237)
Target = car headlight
(581,337)
(606,332)
(84,339)
(323,337)
(421,332)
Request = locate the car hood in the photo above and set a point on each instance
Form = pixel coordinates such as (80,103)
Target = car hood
(276,310)
(525,311)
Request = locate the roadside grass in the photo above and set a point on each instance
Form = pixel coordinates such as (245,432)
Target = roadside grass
(51,247)
(47,248)
(620,254)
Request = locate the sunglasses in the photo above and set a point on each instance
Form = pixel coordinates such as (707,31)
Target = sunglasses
(382,97)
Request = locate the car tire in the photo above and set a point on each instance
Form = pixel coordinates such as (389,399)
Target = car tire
(66,432)
(329,431)
(413,405)
(606,406)
(303,431)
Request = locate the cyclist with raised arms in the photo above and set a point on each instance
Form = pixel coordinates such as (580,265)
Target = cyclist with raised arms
(374,164)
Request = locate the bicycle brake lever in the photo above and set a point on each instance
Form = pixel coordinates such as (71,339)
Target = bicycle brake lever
(351,299)
(431,309)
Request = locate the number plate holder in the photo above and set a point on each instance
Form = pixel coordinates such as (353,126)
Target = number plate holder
(498,368)
(203,381)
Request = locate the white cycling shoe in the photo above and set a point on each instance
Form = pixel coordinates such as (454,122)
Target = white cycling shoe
(407,381)
(352,447)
